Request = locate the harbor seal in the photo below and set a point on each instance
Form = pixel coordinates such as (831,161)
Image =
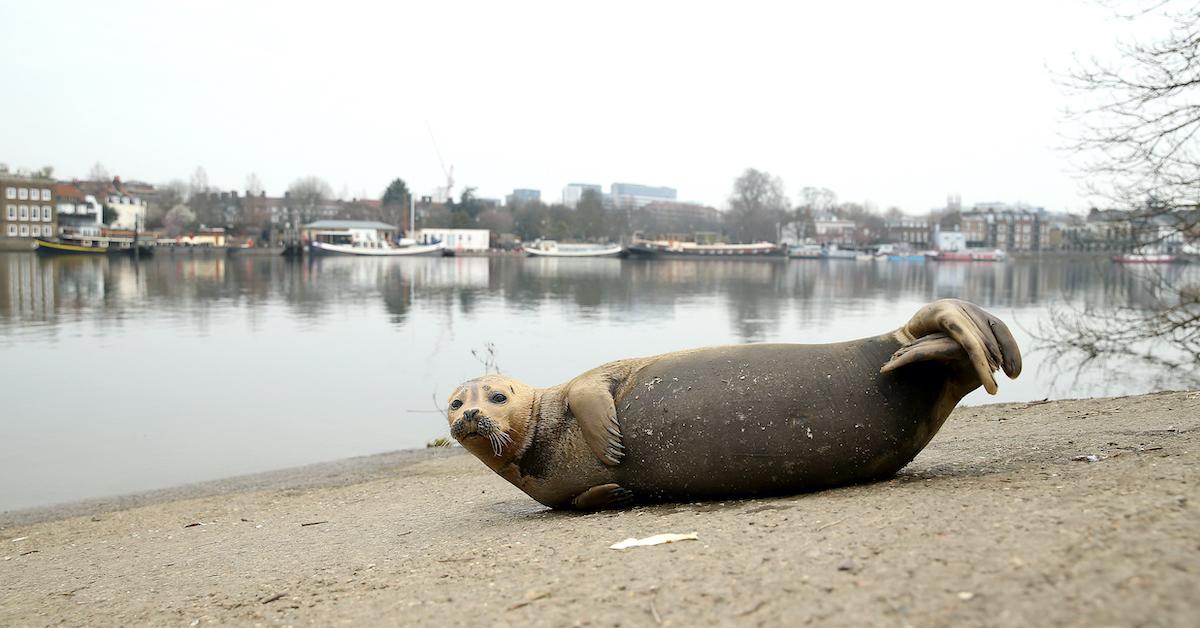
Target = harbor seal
(740,420)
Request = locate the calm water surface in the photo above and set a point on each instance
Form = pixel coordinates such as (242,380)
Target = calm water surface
(120,376)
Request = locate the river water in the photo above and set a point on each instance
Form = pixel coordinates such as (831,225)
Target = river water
(120,376)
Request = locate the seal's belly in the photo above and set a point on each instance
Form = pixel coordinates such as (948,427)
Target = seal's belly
(773,418)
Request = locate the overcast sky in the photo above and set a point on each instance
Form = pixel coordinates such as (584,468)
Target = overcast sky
(896,103)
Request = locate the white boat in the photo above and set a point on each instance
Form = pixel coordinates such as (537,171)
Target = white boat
(550,248)
(1144,258)
(835,253)
(805,251)
(376,249)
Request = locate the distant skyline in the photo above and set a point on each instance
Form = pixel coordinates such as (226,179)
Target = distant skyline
(895,104)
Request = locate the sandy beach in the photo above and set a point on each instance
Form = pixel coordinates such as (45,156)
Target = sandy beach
(1064,513)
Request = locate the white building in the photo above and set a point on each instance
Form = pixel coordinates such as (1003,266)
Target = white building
(131,212)
(456,239)
(833,230)
(950,241)
(574,191)
(77,211)
(637,196)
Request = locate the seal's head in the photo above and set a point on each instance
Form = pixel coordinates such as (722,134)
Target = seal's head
(489,414)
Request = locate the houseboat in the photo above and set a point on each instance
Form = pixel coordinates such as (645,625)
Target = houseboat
(551,248)
(898,253)
(376,249)
(833,252)
(79,244)
(677,249)
(364,238)
(1145,258)
(806,251)
(970,255)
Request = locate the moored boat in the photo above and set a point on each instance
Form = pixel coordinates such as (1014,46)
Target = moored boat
(899,253)
(671,248)
(971,255)
(90,245)
(551,248)
(805,251)
(377,249)
(63,248)
(1145,258)
(832,252)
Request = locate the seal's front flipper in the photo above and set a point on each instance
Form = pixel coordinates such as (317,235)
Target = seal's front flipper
(605,496)
(592,405)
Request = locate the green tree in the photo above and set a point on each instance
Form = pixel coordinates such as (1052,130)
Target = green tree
(396,193)
(395,204)
(469,205)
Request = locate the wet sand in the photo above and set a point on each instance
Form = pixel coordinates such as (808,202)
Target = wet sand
(995,523)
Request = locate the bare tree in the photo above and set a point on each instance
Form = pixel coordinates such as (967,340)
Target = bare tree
(817,199)
(99,173)
(178,220)
(498,221)
(254,185)
(1138,138)
(590,218)
(1139,116)
(814,201)
(176,188)
(306,196)
(199,182)
(757,207)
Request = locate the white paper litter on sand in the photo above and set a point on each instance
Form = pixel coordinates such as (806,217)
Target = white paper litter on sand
(657,539)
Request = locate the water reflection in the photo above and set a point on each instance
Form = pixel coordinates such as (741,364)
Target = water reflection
(129,375)
(39,290)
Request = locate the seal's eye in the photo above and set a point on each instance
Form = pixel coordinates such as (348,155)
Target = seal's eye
(497,398)
(456,404)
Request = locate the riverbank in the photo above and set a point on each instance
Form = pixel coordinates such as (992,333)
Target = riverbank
(1002,520)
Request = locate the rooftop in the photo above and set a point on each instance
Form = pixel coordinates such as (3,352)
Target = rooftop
(67,190)
(349,224)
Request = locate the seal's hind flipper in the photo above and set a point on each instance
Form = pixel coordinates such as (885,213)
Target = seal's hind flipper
(592,405)
(934,347)
(988,343)
(605,496)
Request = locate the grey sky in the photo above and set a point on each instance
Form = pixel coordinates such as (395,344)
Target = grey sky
(893,103)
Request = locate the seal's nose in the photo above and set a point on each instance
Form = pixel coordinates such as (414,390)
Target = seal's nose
(471,414)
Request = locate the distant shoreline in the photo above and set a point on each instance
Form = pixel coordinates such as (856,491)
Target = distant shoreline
(8,247)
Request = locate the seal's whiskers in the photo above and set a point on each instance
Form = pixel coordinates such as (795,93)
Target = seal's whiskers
(499,441)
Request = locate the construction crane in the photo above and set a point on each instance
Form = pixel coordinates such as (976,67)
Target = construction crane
(442,194)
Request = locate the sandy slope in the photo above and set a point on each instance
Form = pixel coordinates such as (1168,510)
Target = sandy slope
(994,524)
